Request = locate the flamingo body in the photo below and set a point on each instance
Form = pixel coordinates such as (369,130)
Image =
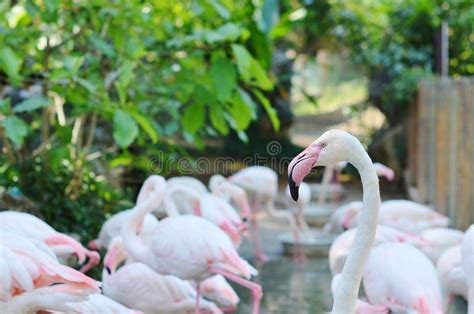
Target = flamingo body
(400,277)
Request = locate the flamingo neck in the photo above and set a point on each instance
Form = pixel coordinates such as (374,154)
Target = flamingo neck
(134,244)
(346,295)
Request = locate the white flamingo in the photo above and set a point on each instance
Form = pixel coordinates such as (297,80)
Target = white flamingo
(402,278)
(120,285)
(438,240)
(342,245)
(26,265)
(113,226)
(332,147)
(188,247)
(32,227)
(452,275)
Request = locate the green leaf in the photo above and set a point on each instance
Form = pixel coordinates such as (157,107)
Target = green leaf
(249,68)
(241,108)
(102,45)
(146,125)
(271,112)
(244,60)
(5,105)
(15,129)
(126,73)
(227,32)
(125,129)
(224,76)
(10,63)
(218,119)
(32,103)
(193,118)
(221,10)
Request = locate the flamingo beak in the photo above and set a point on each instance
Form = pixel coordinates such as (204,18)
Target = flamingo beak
(300,167)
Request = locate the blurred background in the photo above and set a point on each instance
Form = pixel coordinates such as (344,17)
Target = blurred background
(97,95)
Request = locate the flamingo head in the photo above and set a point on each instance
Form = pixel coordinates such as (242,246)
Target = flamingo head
(115,255)
(330,148)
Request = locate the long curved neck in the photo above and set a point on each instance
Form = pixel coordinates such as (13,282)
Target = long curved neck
(346,295)
(134,244)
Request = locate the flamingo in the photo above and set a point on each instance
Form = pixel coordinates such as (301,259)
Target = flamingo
(332,147)
(452,275)
(50,298)
(404,215)
(220,186)
(188,247)
(29,264)
(402,278)
(98,304)
(191,182)
(112,227)
(335,223)
(262,184)
(438,240)
(467,252)
(215,288)
(342,245)
(32,227)
(209,207)
(362,306)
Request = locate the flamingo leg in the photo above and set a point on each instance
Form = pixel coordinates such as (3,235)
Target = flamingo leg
(259,255)
(255,288)
(198,297)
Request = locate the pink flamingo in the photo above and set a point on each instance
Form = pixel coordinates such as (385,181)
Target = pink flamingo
(438,240)
(29,264)
(220,186)
(467,252)
(452,275)
(335,223)
(404,215)
(342,245)
(261,183)
(362,306)
(98,304)
(112,227)
(50,298)
(138,286)
(188,247)
(400,277)
(32,227)
(208,206)
(191,182)
(332,147)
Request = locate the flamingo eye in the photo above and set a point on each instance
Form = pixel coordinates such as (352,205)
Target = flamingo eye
(323,144)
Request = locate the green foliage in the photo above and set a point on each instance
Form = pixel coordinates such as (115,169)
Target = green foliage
(108,79)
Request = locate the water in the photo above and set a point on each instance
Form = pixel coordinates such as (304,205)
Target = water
(288,286)
(291,287)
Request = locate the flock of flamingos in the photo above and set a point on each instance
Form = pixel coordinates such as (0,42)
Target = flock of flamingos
(407,258)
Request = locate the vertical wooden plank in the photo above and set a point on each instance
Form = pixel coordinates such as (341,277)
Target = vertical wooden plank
(441,148)
(464,171)
(423,123)
(453,153)
(470,99)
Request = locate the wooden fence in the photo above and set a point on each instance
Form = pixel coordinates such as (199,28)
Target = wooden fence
(441,148)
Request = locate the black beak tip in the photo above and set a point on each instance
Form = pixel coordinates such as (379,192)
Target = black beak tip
(294,189)
(108,270)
